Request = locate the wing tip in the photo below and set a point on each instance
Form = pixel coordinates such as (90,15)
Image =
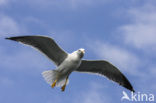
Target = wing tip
(7,38)
(10,38)
(133,90)
(129,87)
(127,84)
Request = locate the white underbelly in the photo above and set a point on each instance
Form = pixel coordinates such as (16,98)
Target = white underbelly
(69,65)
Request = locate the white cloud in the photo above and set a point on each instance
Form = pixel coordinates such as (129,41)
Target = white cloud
(65,4)
(3,2)
(152,71)
(24,56)
(23,59)
(141,32)
(11,27)
(77,3)
(93,94)
(65,38)
(6,81)
(8,26)
(118,56)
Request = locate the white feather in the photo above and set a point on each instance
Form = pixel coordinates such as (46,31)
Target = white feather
(51,75)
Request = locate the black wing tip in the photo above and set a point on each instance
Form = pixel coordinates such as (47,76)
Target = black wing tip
(14,38)
(18,37)
(7,38)
(133,90)
(129,87)
(11,38)
(127,84)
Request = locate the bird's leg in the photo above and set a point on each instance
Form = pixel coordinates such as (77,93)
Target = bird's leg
(64,86)
(54,83)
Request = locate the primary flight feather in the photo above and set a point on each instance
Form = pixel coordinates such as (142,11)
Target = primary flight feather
(69,62)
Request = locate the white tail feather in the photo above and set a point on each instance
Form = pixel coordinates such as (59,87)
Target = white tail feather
(51,75)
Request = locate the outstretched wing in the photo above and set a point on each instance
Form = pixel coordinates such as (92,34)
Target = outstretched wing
(105,68)
(46,45)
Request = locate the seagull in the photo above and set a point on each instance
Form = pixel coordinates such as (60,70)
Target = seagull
(66,63)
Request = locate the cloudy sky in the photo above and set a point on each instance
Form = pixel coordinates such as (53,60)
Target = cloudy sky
(120,31)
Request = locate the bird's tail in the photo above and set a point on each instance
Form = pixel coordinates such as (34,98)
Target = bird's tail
(51,75)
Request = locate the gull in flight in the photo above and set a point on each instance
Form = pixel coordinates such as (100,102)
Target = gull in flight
(66,63)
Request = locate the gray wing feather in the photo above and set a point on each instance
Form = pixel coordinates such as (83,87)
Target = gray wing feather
(105,68)
(46,45)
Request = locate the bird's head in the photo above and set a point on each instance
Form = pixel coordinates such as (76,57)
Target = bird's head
(81,52)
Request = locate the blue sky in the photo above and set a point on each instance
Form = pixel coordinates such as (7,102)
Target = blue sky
(122,32)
